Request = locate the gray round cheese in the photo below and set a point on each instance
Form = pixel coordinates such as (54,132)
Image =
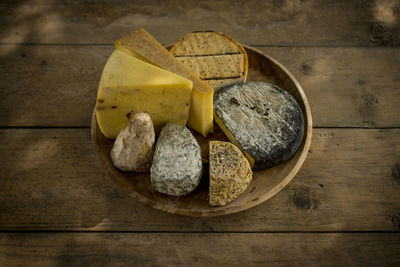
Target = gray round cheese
(177,165)
(262,119)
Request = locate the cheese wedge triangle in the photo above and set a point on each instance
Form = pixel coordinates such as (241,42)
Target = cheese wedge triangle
(142,45)
(129,85)
(230,173)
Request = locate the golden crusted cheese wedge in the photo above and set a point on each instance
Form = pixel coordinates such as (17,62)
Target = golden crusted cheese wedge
(142,45)
(213,56)
(129,85)
(219,67)
(230,173)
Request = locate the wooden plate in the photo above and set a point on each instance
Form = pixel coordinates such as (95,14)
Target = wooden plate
(265,183)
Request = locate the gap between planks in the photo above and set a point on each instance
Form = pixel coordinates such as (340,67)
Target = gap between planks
(360,91)
(50,180)
(200,249)
(88,127)
(288,45)
(72,231)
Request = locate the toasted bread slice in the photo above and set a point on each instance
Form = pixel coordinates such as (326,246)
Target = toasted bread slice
(213,56)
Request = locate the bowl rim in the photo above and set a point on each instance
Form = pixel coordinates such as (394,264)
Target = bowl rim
(224,210)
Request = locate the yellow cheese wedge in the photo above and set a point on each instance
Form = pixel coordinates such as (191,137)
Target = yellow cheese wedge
(142,45)
(129,85)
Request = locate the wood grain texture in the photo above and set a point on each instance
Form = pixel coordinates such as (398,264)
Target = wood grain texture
(57,85)
(51,180)
(230,249)
(346,56)
(350,87)
(49,85)
(294,23)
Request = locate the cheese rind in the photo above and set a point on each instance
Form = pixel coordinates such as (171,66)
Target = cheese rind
(217,66)
(214,57)
(134,146)
(206,43)
(177,166)
(218,84)
(230,173)
(263,120)
(141,43)
(129,85)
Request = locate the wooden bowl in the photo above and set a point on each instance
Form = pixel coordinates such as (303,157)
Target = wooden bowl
(265,183)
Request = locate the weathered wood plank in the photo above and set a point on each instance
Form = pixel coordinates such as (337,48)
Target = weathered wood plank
(347,87)
(57,85)
(50,179)
(49,85)
(230,249)
(313,22)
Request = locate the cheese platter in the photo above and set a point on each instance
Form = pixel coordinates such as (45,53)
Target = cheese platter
(265,182)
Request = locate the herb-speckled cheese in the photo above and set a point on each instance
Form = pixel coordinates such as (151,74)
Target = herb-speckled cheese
(230,173)
(177,165)
(263,120)
(142,45)
(213,56)
(129,85)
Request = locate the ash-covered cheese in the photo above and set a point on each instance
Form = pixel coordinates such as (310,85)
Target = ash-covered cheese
(263,120)
(230,173)
(134,146)
(177,165)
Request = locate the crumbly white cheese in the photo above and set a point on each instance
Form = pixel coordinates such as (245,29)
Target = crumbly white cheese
(134,146)
(177,165)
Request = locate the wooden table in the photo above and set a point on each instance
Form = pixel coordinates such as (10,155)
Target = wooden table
(57,207)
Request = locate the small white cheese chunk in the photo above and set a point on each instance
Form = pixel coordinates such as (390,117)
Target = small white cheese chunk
(133,149)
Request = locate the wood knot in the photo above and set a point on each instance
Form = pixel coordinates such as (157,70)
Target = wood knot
(367,108)
(306,69)
(396,172)
(302,198)
(43,63)
(380,35)
(396,222)
(205,227)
